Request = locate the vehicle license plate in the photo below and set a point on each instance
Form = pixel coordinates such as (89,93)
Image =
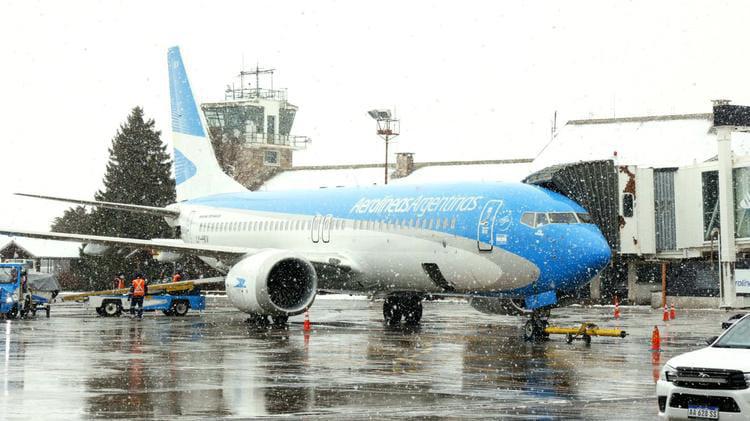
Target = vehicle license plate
(708,412)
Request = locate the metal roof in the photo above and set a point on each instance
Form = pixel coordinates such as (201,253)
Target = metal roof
(651,141)
(43,248)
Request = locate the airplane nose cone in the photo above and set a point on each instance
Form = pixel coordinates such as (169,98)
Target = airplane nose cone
(586,254)
(601,254)
(596,253)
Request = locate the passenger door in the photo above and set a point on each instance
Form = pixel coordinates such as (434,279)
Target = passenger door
(486,224)
(326,228)
(315,229)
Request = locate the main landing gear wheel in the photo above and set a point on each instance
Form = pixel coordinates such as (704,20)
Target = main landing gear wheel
(392,310)
(533,330)
(413,310)
(408,307)
(279,321)
(258,320)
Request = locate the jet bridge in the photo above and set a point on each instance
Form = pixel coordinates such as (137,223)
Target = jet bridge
(593,185)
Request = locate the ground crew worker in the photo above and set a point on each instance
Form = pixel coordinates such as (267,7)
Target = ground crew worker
(138,290)
(119,281)
(176,277)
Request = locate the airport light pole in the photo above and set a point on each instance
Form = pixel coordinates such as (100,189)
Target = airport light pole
(388,128)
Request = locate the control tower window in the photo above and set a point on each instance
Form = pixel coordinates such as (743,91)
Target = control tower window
(271,158)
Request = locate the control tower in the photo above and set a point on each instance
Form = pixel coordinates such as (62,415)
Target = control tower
(251,129)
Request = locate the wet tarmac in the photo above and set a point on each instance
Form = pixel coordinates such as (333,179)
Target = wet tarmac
(458,364)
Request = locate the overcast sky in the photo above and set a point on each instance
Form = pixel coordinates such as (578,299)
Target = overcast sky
(469,80)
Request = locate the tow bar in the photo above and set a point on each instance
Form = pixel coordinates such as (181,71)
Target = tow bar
(584,333)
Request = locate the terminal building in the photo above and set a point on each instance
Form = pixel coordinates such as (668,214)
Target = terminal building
(651,183)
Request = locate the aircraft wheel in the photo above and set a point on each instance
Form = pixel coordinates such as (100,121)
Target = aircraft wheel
(392,310)
(413,310)
(180,308)
(280,321)
(533,330)
(258,319)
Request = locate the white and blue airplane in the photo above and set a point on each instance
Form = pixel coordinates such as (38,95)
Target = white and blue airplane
(509,247)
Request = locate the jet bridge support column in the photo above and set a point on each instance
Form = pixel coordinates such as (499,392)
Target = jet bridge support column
(728,118)
(726,217)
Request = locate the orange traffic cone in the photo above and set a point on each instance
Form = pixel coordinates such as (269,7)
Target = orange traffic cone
(306,325)
(671,313)
(617,307)
(666,313)
(655,340)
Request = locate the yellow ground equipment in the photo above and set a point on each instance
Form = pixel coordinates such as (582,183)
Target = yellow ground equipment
(169,287)
(584,333)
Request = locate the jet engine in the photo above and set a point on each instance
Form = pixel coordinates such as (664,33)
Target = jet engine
(272,282)
(501,306)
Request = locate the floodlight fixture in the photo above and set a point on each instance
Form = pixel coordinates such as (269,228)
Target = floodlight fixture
(387,129)
(380,114)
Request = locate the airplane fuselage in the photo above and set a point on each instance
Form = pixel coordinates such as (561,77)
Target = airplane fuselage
(464,238)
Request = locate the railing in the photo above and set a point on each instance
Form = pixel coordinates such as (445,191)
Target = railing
(253,93)
(296,142)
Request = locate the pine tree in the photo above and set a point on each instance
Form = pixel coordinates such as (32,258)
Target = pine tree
(138,172)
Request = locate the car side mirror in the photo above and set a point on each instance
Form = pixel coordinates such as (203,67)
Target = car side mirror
(711,340)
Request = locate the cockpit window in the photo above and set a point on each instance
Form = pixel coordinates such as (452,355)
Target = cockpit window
(528,219)
(538,219)
(585,218)
(562,218)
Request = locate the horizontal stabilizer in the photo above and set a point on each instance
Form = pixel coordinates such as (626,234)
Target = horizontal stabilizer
(151,210)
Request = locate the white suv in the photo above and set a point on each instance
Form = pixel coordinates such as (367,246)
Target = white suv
(710,383)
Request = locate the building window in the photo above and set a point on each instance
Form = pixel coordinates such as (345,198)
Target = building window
(628,204)
(271,158)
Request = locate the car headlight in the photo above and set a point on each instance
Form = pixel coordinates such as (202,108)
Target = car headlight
(9,299)
(668,373)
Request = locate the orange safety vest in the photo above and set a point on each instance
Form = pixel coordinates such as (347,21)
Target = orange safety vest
(139,287)
(120,283)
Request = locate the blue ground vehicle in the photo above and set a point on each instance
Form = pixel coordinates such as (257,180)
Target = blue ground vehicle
(18,297)
(169,304)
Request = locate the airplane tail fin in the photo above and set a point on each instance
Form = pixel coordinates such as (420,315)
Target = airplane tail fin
(197,173)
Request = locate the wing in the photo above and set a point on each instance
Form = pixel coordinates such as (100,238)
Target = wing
(328,264)
(151,210)
(224,253)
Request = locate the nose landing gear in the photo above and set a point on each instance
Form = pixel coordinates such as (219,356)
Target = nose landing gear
(534,329)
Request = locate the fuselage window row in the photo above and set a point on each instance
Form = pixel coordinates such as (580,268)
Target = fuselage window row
(379,225)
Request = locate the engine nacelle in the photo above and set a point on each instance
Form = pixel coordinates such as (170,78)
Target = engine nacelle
(272,282)
(501,306)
